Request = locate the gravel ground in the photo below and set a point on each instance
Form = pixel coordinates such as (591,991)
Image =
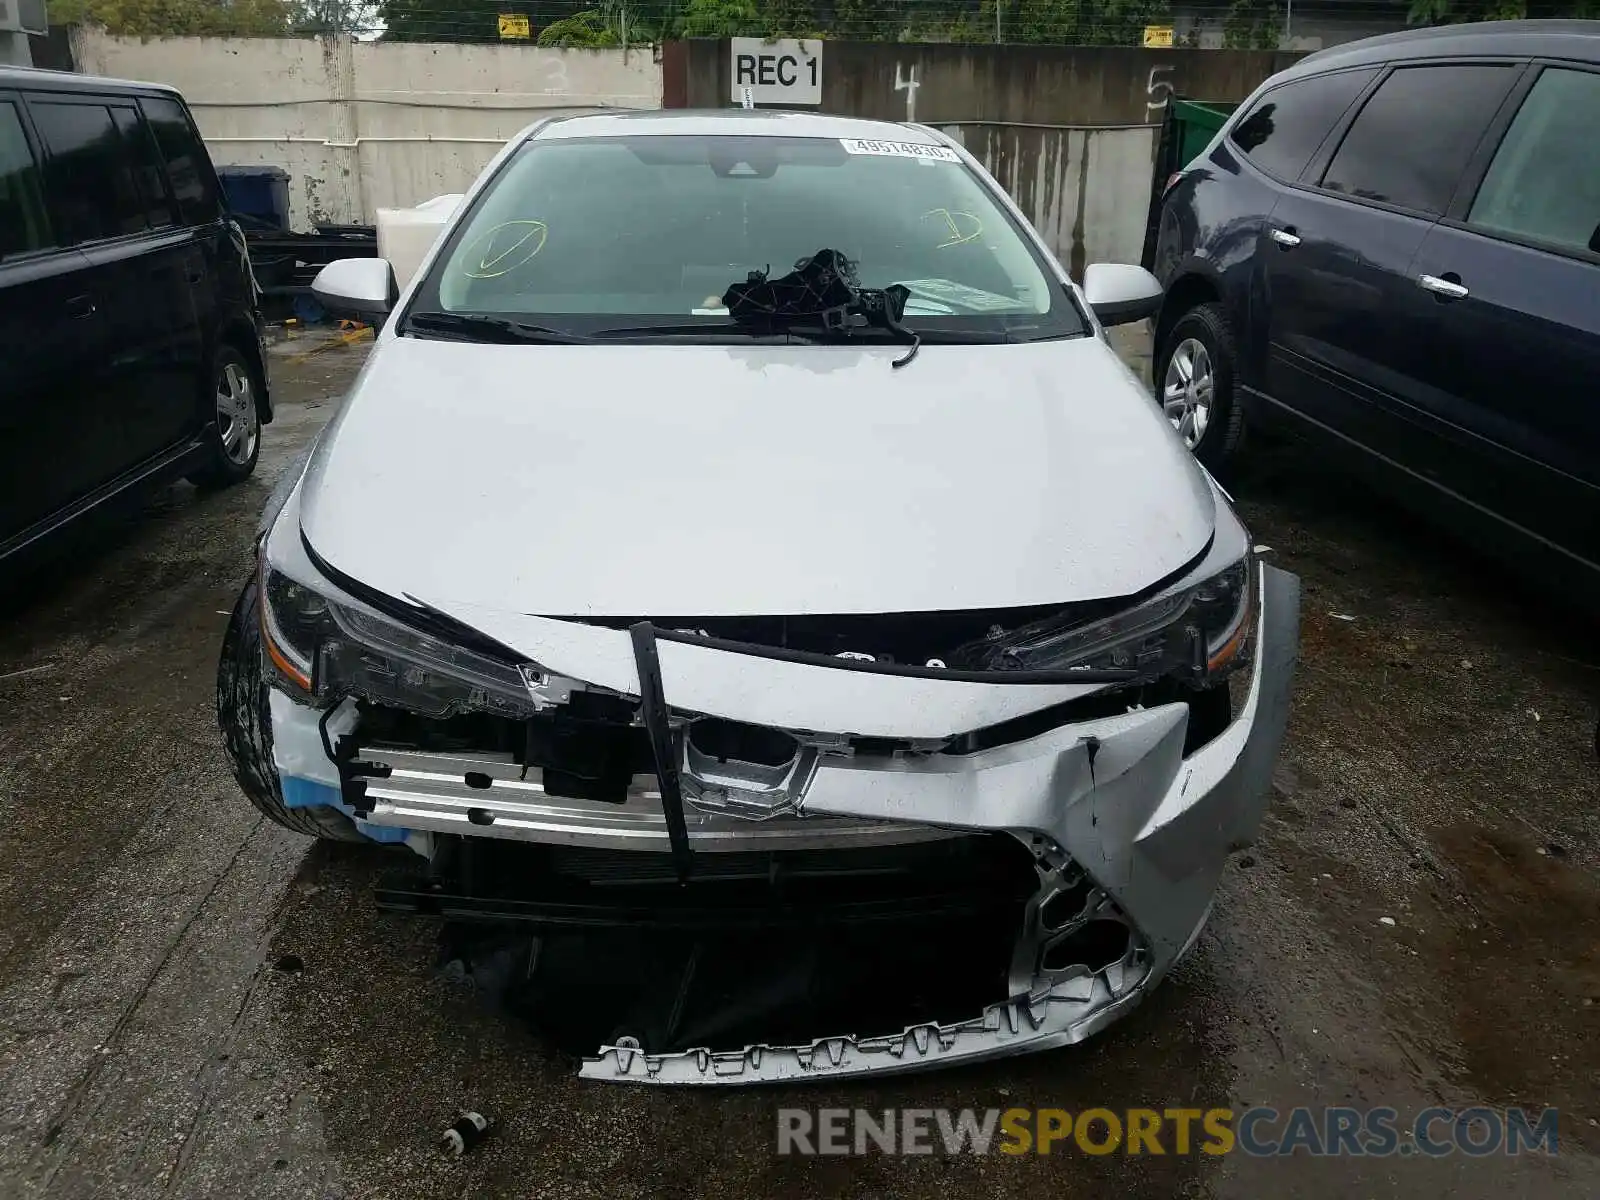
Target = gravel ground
(196,1003)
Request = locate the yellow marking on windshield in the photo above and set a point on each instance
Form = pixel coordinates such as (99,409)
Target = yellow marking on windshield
(957,237)
(493,262)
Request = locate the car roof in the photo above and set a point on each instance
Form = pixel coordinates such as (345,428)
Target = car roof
(743,122)
(1574,40)
(39,79)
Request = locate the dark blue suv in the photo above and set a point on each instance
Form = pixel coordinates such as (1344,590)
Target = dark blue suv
(1394,248)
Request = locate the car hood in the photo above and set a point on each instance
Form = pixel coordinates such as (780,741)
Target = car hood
(711,480)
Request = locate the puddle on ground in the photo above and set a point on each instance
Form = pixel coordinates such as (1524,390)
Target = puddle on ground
(1524,985)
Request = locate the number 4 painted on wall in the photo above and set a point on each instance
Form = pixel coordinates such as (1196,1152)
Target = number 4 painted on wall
(909,85)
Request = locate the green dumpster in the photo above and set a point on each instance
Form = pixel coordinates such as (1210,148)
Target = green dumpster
(1186,129)
(1197,123)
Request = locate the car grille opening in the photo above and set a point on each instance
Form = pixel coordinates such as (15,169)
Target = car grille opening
(734,741)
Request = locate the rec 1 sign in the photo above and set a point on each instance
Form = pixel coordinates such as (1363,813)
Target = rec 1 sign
(786,71)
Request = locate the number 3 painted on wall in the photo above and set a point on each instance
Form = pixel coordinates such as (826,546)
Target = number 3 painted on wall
(1158,89)
(556,73)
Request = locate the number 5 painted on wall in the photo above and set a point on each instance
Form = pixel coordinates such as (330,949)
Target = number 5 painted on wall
(1158,89)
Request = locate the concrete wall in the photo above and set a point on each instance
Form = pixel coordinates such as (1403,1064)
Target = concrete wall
(1056,85)
(363,126)
(1070,132)
(1085,190)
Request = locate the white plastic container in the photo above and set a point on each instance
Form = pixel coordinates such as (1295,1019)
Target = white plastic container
(405,235)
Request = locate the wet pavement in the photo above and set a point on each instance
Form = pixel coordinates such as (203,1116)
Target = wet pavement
(194,1002)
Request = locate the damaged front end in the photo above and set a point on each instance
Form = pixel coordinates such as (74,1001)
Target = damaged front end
(1069,785)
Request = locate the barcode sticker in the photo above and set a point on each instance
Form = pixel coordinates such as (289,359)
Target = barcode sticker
(900,150)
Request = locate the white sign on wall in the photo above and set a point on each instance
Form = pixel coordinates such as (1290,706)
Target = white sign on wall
(786,71)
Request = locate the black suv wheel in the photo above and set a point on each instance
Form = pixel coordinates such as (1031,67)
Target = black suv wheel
(1194,378)
(234,439)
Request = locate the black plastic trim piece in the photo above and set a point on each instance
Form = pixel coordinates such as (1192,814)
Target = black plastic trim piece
(912,670)
(413,896)
(653,704)
(353,772)
(755,650)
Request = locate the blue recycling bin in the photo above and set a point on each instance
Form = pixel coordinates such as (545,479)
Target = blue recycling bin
(259,193)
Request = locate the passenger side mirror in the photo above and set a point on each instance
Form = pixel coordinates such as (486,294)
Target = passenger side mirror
(356,287)
(1120,292)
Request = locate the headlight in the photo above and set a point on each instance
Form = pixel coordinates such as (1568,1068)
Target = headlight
(293,620)
(322,648)
(1196,634)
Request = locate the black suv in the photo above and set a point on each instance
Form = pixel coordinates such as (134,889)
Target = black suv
(130,342)
(1394,247)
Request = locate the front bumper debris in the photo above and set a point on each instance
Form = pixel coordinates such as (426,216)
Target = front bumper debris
(1150,828)
(1125,833)
(1067,1013)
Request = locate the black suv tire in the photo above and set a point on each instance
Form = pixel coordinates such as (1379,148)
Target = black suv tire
(1207,324)
(226,465)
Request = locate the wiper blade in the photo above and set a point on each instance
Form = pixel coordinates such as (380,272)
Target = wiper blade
(481,327)
(808,329)
(742,328)
(966,337)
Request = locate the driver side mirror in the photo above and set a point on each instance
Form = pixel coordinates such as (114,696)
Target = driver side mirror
(356,287)
(1121,292)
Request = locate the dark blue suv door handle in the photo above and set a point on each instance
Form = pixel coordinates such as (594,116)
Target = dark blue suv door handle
(79,307)
(1287,238)
(1443,289)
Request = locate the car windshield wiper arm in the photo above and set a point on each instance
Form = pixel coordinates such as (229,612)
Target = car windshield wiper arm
(810,329)
(743,329)
(803,328)
(482,327)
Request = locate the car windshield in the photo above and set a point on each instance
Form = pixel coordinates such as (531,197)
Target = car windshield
(591,234)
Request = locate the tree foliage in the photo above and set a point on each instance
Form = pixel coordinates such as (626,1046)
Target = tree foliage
(1248,24)
(179,18)
(722,18)
(1248,27)
(334,16)
(1448,12)
(1072,22)
(588,23)
(445,20)
(587,28)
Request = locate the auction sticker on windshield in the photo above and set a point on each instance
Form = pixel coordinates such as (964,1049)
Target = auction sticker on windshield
(899,149)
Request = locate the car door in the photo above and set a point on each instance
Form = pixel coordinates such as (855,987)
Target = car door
(49,333)
(1277,139)
(224,288)
(1341,246)
(147,381)
(1510,287)
(173,272)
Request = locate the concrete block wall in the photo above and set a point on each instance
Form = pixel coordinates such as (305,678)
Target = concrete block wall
(366,125)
